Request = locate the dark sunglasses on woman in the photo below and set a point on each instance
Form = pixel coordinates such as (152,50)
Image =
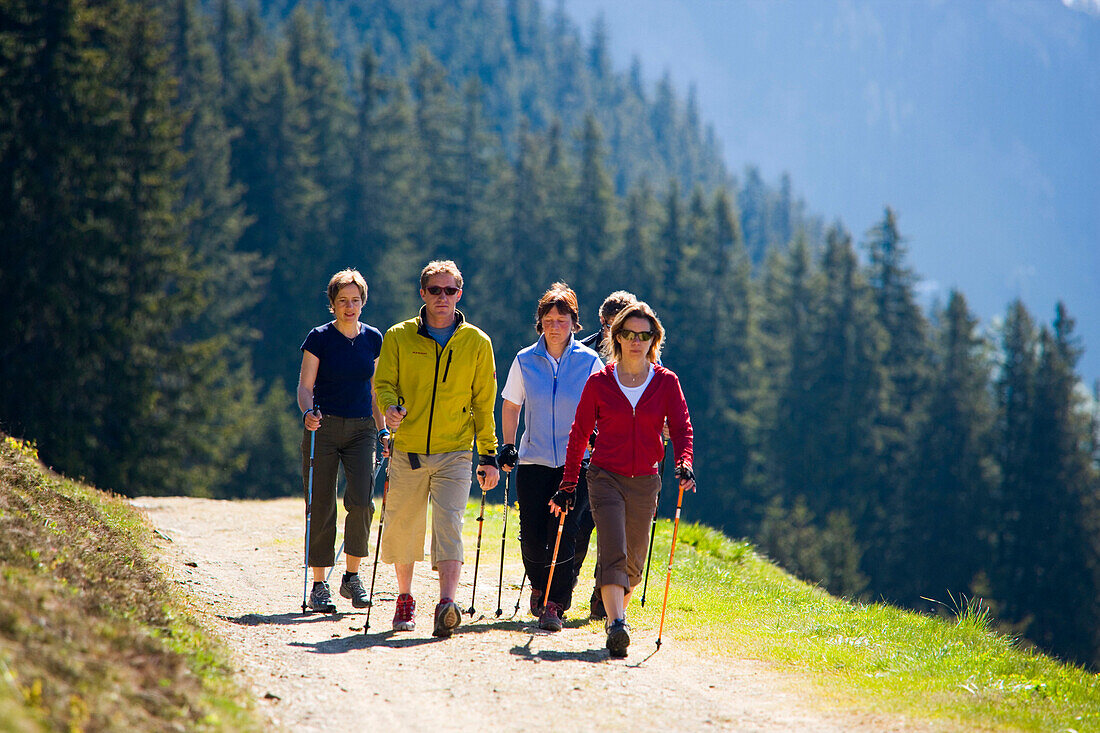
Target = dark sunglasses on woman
(629,335)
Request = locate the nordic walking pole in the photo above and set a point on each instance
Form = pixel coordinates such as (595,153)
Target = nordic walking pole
(309,511)
(649,554)
(520,597)
(477,557)
(336,561)
(554,559)
(671,554)
(503,533)
(653,527)
(378,542)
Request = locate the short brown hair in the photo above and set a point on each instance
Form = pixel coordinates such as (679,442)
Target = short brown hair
(341,280)
(639,309)
(562,297)
(440,267)
(614,303)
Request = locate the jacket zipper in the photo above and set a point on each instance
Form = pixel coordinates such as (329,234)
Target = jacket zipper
(431,412)
(554,417)
(447,369)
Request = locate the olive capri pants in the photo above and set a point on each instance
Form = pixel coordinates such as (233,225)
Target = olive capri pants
(348,441)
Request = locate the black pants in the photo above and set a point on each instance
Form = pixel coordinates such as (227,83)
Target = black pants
(347,441)
(539,529)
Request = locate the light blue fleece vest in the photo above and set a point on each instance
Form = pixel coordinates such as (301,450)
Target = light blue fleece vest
(550,401)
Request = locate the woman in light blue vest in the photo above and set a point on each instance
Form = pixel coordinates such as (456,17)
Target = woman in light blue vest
(545,381)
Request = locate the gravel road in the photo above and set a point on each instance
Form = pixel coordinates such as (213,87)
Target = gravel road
(241,562)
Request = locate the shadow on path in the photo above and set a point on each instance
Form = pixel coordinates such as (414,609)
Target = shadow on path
(285,619)
(552,655)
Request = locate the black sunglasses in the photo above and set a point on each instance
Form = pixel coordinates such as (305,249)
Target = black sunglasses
(629,335)
(437,289)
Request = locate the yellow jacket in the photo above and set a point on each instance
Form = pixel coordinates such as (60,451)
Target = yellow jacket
(448,391)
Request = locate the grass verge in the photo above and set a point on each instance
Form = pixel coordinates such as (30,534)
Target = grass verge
(92,637)
(728,601)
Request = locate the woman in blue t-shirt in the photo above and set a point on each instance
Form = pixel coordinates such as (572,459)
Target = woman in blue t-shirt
(336,397)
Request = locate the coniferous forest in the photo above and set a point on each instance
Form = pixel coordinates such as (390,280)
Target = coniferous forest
(178,180)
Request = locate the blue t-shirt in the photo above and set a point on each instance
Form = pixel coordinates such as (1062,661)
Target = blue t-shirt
(347,365)
(442,335)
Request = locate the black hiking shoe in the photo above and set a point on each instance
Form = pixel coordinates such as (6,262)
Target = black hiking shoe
(618,638)
(447,618)
(551,618)
(536,602)
(595,606)
(320,598)
(352,587)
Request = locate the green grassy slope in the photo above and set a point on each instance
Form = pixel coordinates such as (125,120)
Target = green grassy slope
(92,637)
(726,600)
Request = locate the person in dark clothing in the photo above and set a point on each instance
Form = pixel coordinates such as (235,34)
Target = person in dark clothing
(545,381)
(610,308)
(336,397)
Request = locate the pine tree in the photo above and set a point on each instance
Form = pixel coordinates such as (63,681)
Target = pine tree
(947,507)
(595,213)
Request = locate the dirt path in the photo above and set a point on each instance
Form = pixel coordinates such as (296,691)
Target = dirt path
(321,673)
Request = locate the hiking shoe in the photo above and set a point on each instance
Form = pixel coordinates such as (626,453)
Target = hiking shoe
(536,602)
(352,587)
(618,637)
(403,616)
(551,618)
(447,618)
(595,606)
(320,598)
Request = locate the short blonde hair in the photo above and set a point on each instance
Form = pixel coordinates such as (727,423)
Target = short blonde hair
(440,267)
(562,297)
(341,280)
(639,309)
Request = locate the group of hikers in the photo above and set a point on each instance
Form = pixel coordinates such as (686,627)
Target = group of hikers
(589,455)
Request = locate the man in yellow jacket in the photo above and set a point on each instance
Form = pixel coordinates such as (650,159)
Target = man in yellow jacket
(436,380)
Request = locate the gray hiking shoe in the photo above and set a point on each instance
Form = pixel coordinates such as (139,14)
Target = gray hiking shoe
(320,598)
(352,587)
(447,618)
(618,637)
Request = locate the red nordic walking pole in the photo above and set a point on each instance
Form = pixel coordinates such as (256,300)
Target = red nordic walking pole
(553,559)
(671,554)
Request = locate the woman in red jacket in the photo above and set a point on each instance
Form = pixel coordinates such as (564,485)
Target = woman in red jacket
(627,402)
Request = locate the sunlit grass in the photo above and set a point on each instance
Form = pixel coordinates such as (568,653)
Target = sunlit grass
(725,600)
(92,636)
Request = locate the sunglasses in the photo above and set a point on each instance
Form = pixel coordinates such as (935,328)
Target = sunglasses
(439,289)
(629,335)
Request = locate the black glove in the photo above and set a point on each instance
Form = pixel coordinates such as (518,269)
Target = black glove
(566,495)
(507,456)
(487,460)
(684,472)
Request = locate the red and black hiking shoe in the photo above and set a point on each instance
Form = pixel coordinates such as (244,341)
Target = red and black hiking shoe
(551,618)
(403,617)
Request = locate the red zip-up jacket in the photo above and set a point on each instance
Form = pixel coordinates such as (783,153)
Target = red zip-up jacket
(629,442)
